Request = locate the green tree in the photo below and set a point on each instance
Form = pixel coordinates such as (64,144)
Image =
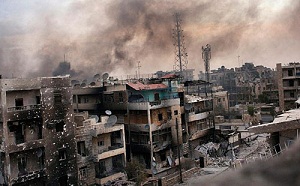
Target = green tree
(251,110)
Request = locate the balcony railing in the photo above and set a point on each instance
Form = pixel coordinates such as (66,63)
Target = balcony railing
(113,147)
(21,108)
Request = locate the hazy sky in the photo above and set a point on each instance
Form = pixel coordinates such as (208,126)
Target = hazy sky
(112,35)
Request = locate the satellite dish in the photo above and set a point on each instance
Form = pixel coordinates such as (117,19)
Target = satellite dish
(105,76)
(112,120)
(108,112)
(95,116)
(97,76)
(147,127)
(82,85)
(92,83)
(188,106)
(39,152)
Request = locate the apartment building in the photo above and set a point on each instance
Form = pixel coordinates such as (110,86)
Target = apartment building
(37,132)
(149,110)
(101,154)
(288,77)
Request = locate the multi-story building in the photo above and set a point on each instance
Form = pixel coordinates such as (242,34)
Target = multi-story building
(149,110)
(38,143)
(199,121)
(288,77)
(101,153)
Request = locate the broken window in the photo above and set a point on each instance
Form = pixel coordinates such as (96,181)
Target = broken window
(81,148)
(19,134)
(60,126)
(175,112)
(156,96)
(19,103)
(169,113)
(121,97)
(290,72)
(83,173)
(102,168)
(62,154)
(160,117)
(22,162)
(57,97)
(38,100)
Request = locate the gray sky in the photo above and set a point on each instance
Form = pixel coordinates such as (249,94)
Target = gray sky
(111,36)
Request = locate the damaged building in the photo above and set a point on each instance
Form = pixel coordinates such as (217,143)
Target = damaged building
(150,111)
(38,146)
(101,153)
(284,130)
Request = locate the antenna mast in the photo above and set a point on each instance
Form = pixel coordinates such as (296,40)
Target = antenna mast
(180,54)
(206,56)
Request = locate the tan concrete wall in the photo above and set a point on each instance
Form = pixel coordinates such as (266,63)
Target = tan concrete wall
(175,178)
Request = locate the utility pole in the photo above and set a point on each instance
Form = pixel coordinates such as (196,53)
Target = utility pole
(180,54)
(178,152)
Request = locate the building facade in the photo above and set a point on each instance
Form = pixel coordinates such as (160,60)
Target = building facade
(101,154)
(288,77)
(38,146)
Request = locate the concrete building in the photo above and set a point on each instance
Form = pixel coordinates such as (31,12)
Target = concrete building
(199,126)
(220,102)
(288,77)
(101,154)
(38,143)
(149,109)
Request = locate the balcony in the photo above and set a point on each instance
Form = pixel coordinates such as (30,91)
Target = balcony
(143,105)
(34,144)
(21,108)
(28,176)
(24,112)
(102,179)
(196,117)
(104,128)
(110,151)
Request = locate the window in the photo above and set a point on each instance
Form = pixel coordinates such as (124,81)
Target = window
(19,103)
(38,100)
(85,100)
(60,126)
(156,96)
(57,97)
(169,113)
(83,172)
(160,117)
(102,167)
(121,97)
(290,72)
(175,112)
(62,154)
(101,143)
(292,94)
(81,148)
(22,162)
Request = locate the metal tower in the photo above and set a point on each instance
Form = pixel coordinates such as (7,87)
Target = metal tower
(180,53)
(206,55)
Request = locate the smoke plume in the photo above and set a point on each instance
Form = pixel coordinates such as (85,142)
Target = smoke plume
(112,36)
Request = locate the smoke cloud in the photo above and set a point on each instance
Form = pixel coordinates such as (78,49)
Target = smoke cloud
(112,36)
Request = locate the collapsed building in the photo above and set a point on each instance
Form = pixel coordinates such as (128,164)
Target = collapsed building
(284,130)
(37,132)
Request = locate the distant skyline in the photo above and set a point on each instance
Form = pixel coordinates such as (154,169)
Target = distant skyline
(112,36)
